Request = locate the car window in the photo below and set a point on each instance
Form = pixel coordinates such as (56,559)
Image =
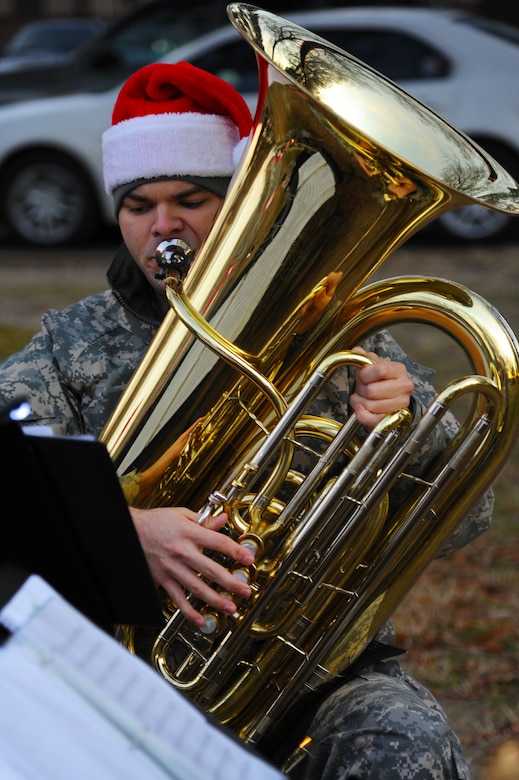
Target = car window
(235,63)
(157,33)
(60,38)
(398,56)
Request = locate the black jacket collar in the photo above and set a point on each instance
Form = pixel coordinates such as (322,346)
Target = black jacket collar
(132,288)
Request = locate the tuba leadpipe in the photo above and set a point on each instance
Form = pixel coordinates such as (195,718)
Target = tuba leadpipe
(341,168)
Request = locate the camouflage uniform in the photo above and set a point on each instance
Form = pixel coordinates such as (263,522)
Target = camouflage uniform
(384,725)
(74,370)
(381,724)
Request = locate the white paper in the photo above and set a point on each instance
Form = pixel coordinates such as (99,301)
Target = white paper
(74,703)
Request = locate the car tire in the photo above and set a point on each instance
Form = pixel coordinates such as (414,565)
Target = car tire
(48,200)
(476,223)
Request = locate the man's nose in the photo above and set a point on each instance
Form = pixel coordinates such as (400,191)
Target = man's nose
(167,221)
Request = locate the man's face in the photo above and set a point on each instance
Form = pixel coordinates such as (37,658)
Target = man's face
(160,211)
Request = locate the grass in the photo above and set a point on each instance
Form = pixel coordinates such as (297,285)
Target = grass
(12,339)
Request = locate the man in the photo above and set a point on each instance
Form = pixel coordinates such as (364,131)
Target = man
(168,158)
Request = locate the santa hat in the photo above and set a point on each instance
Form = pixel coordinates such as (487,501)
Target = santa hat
(174,121)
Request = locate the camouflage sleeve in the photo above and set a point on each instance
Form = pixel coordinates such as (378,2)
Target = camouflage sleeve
(478,520)
(74,370)
(33,373)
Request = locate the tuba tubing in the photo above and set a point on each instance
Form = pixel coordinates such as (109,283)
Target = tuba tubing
(341,168)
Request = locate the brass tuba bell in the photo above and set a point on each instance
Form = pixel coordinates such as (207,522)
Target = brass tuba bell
(341,168)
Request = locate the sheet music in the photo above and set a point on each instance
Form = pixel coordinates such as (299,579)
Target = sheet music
(77,704)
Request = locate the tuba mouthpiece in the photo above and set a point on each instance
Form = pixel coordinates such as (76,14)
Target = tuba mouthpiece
(173,258)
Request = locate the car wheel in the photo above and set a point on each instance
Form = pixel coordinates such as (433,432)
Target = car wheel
(476,223)
(48,200)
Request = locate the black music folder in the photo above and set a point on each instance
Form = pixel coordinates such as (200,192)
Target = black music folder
(65,518)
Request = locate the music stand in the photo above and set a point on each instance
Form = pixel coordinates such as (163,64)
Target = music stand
(66,519)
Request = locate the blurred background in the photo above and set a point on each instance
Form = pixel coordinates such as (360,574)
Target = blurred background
(61,68)
(14,13)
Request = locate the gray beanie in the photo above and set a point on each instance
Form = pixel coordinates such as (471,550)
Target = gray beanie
(216,184)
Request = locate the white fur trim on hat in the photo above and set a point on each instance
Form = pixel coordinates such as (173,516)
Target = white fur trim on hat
(161,145)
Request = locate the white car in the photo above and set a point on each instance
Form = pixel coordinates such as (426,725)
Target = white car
(463,67)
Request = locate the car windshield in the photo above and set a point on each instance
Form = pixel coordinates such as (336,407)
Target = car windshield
(159,33)
(60,39)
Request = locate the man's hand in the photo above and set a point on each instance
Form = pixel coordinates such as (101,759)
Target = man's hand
(381,388)
(174,545)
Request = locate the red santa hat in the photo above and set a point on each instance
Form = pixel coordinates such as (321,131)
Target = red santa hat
(174,121)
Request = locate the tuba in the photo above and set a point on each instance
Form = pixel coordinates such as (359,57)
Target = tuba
(341,168)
